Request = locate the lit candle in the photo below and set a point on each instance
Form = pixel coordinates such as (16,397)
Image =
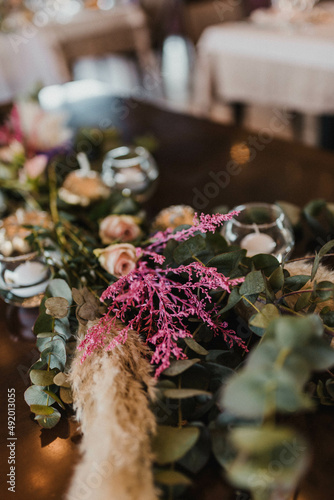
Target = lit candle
(132,178)
(257,242)
(28,279)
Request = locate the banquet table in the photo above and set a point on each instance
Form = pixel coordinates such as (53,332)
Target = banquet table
(268,61)
(190,152)
(44,54)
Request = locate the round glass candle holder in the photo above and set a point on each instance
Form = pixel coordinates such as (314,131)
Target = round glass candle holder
(132,171)
(23,279)
(261,228)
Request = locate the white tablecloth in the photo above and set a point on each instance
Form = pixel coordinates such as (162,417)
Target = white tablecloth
(41,55)
(288,67)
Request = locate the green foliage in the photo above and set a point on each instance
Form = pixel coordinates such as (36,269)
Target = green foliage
(172,443)
(52,329)
(272,381)
(202,405)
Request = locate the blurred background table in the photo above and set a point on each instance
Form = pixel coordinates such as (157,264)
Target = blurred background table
(269,61)
(44,53)
(190,152)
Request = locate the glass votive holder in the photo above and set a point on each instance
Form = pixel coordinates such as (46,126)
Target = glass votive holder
(261,228)
(23,279)
(131,171)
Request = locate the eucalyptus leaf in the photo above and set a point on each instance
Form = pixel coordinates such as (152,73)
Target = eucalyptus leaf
(55,397)
(276,279)
(42,377)
(258,449)
(59,288)
(77,296)
(61,380)
(197,457)
(262,319)
(57,348)
(294,283)
(48,421)
(265,262)
(185,393)
(315,266)
(172,443)
(43,323)
(253,284)
(303,301)
(233,299)
(180,366)
(295,333)
(41,409)
(171,478)
(57,307)
(35,395)
(318,354)
(226,263)
(42,342)
(62,327)
(195,346)
(246,394)
(326,248)
(189,248)
(330,387)
(324,290)
(66,395)
(46,335)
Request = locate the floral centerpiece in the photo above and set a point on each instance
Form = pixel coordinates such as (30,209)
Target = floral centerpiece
(174,346)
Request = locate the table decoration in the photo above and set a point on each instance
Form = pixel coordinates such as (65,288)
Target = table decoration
(24,273)
(83,186)
(132,171)
(266,287)
(261,228)
(161,375)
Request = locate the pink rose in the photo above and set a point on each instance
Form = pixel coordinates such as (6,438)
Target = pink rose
(119,259)
(119,228)
(35,166)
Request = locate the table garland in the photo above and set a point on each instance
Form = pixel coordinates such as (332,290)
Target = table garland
(133,330)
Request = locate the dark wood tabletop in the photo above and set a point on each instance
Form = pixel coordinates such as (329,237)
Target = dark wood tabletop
(191,154)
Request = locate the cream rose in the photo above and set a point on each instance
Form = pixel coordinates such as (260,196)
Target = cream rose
(119,259)
(119,228)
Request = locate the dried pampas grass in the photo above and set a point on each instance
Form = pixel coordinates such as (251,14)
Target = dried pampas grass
(111,392)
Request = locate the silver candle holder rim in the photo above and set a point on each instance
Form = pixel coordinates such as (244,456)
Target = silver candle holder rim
(17,258)
(117,153)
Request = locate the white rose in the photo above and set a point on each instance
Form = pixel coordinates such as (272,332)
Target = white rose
(119,259)
(119,228)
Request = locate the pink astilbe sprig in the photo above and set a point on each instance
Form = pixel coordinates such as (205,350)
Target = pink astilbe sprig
(157,303)
(204,223)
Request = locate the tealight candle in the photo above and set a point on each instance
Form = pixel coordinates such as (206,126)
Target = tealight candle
(257,242)
(28,279)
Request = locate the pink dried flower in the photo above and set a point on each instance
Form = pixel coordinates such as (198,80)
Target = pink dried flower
(162,302)
(204,224)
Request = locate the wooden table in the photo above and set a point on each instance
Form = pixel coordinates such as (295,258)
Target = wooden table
(190,149)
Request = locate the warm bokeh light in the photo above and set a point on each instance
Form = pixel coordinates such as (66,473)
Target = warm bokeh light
(240,153)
